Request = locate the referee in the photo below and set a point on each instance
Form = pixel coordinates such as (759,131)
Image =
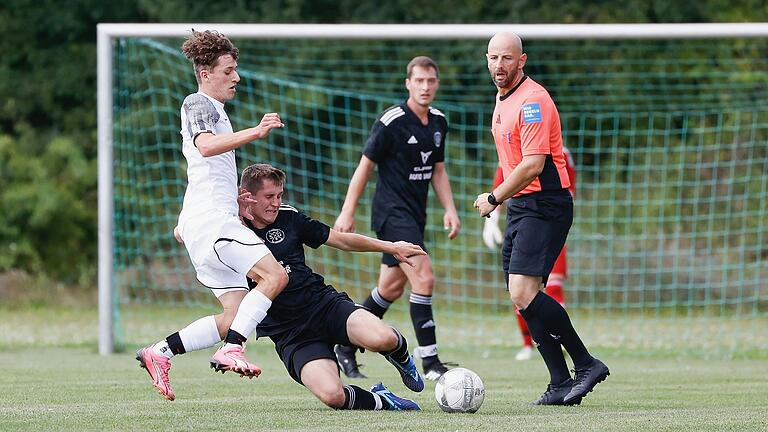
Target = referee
(526,130)
(407,143)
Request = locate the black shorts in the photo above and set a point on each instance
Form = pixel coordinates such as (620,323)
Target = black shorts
(537,226)
(315,338)
(400,228)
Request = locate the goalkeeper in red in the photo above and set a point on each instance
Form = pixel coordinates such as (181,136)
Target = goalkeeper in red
(526,130)
(493,237)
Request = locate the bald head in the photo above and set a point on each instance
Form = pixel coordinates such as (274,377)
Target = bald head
(507,42)
(506,60)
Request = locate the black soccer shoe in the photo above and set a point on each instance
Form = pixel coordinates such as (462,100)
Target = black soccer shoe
(586,379)
(555,394)
(434,368)
(345,357)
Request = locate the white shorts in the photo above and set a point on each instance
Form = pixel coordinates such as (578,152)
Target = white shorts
(222,251)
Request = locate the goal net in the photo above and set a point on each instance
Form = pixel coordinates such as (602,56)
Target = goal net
(669,137)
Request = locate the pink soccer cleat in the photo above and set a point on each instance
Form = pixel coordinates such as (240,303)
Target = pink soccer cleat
(233,359)
(157,367)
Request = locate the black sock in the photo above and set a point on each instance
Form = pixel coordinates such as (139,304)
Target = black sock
(234,337)
(356,398)
(175,344)
(548,347)
(559,324)
(424,326)
(377,304)
(400,353)
(348,349)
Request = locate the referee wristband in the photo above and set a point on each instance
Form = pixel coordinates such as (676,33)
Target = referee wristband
(492,200)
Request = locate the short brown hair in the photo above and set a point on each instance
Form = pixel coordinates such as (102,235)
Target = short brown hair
(422,61)
(205,47)
(254,175)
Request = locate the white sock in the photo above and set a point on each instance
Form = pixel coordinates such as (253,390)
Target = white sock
(377,399)
(425,351)
(162,349)
(201,334)
(252,310)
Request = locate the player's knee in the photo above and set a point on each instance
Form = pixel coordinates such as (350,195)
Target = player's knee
(423,283)
(429,281)
(273,283)
(382,338)
(333,398)
(521,297)
(522,289)
(225,322)
(391,293)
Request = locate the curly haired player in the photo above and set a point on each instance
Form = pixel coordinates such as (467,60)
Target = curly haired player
(222,250)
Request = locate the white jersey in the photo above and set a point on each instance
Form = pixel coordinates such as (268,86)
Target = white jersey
(222,250)
(212,181)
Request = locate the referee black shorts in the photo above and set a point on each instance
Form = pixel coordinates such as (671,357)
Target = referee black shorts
(537,226)
(400,228)
(315,338)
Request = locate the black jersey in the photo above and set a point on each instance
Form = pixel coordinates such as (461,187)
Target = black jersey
(406,152)
(285,238)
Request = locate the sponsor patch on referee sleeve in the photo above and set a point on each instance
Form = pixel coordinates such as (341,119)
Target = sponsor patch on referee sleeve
(531,113)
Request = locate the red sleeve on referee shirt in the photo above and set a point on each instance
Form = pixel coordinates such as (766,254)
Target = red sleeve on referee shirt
(498,178)
(570,168)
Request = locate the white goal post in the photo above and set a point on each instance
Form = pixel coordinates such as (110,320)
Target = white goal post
(108,32)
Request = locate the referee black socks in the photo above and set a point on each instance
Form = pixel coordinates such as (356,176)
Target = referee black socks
(551,327)
(559,323)
(547,344)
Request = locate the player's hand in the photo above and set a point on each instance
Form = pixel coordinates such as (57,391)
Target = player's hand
(345,223)
(177,235)
(483,206)
(452,224)
(268,122)
(403,251)
(244,200)
(492,235)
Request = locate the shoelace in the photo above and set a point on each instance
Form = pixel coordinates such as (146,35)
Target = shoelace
(165,377)
(579,374)
(239,355)
(396,401)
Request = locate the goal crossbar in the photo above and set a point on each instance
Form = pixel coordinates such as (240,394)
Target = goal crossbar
(447,31)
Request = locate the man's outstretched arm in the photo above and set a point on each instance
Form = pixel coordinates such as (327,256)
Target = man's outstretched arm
(353,242)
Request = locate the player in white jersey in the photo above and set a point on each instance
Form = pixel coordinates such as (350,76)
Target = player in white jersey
(222,250)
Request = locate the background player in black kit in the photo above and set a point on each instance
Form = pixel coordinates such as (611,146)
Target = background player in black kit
(309,316)
(407,143)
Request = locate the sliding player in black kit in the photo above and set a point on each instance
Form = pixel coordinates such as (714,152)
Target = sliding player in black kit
(309,317)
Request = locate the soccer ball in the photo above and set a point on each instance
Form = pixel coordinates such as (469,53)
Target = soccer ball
(459,390)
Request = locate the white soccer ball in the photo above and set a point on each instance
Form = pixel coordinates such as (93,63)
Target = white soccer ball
(459,390)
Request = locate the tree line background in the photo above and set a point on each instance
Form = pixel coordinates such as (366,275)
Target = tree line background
(48,191)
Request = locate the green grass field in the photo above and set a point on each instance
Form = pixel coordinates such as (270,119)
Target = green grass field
(52,379)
